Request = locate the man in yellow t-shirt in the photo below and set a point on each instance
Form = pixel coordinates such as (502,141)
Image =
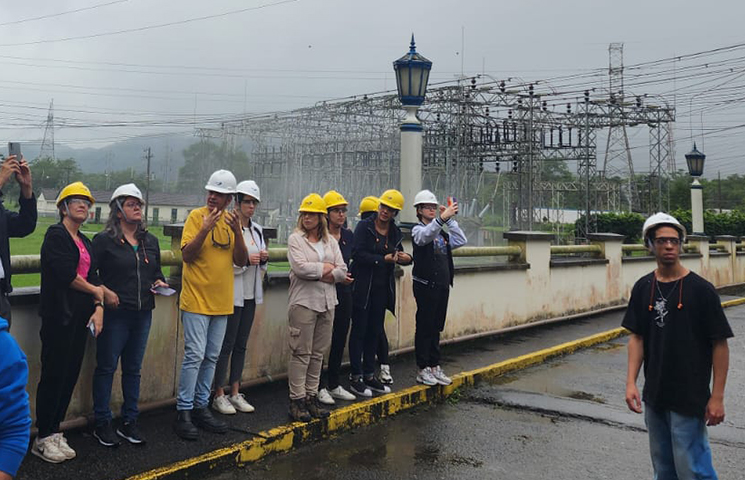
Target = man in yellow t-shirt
(209,250)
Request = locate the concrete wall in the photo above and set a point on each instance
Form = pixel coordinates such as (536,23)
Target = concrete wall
(486,298)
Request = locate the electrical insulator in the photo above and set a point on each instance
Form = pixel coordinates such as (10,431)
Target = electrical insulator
(545,105)
(569,108)
(473,83)
(496,167)
(502,86)
(509,114)
(530,89)
(487,111)
(639,102)
(514,167)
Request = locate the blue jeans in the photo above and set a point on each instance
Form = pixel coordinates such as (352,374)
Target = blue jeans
(679,446)
(203,336)
(124,335)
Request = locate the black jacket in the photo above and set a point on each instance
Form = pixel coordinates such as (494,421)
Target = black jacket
(127,273)
(365,260)
(345,245)
(59,267)
(14,224)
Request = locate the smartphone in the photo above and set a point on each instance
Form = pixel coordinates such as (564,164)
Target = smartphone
(14,148)
(165,291)
(451,201)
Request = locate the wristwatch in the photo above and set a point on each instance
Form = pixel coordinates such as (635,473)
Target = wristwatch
(98,304)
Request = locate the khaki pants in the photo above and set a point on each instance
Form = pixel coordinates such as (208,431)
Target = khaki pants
(310,338)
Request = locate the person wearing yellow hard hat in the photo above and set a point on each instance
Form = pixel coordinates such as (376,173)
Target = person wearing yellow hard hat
(368,206)
(71,308)
(337,207)
(433,275)
(316,264)
(375,252)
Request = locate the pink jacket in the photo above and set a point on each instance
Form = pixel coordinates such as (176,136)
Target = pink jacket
(306,269)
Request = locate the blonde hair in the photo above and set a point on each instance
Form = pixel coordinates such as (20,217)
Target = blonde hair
(322,230)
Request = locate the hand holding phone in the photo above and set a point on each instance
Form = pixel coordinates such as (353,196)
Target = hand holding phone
(161,290)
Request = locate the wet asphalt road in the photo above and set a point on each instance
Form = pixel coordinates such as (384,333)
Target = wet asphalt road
(566,419)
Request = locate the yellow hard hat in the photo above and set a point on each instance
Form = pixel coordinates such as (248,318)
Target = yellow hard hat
(332,198)
(313,203)
(369,204)
(392,198)
(76,188)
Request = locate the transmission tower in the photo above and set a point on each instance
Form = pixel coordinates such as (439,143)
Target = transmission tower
(47,145)
(617,163)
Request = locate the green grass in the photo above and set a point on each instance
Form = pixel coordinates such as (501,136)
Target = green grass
(31,245)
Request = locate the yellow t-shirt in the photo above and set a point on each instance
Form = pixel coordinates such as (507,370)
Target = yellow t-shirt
(207,282)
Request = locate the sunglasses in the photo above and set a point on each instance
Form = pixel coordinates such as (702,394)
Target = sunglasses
(217,244)
(338,210)
(79,201)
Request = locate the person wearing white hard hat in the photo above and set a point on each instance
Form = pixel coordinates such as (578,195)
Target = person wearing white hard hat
(679,335)
(129,268)
(209,250)
(433,276)
(247,293)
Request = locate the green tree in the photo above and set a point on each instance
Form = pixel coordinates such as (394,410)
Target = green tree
(203,158)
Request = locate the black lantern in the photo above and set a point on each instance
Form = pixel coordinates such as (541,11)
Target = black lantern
(412,74)
(695,161)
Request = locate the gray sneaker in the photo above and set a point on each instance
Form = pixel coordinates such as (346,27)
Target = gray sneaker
(425,377)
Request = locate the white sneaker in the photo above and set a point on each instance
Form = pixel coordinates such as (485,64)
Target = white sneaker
(385,375)
(342,394)
(46,448)
(239,402)
(440,376)
(222,405)
(325,398)
(63,446)
(425,376)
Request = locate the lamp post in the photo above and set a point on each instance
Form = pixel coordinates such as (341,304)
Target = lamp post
(695,161)
(412,73)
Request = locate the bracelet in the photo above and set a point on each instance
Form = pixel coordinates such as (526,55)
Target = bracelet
(97,304)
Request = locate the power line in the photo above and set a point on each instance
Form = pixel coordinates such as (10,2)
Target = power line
(59,14)
(149,27)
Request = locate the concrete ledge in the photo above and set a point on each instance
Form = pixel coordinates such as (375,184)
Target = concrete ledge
(577,262)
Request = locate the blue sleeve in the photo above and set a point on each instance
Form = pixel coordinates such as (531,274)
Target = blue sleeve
(15,418)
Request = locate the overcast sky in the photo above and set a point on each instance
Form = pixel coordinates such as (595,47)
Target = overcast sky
(279,55)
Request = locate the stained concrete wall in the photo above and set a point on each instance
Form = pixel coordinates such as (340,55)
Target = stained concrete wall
(485,298)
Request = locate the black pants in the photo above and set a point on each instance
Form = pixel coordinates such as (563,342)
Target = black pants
(382,352)
(367,324)
(431,309)
(342,318)
(5,307)
(62,351)
(234,344)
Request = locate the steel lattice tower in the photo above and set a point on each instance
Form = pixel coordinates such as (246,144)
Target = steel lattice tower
(617,162)
(47,144)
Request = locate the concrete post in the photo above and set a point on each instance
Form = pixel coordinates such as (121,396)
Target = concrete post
(175,231)
(410,179)
(610,246)
(697,207)
(729,243)
(701,242)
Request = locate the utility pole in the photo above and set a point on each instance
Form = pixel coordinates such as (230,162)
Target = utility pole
(148,157)
(719,188)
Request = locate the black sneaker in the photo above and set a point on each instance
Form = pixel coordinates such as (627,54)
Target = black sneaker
(358,387)
(202,418)
(374,384)
(106,436)
(130,432)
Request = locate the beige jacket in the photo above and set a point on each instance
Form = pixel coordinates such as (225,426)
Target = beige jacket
(306,269)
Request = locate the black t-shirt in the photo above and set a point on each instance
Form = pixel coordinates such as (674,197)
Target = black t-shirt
(383,246)
(677,341)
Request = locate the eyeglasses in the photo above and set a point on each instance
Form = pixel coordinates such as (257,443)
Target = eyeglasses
(338,210)
(132,205)
(217,244)
(249,201)
(661,241)
(79,201)
(428,207)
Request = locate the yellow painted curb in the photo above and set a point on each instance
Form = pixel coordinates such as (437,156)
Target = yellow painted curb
(286,437)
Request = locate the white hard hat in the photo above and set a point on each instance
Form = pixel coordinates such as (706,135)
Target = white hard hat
(127,190)
(249,187)
(222,181)
(425,196)
(661,218)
